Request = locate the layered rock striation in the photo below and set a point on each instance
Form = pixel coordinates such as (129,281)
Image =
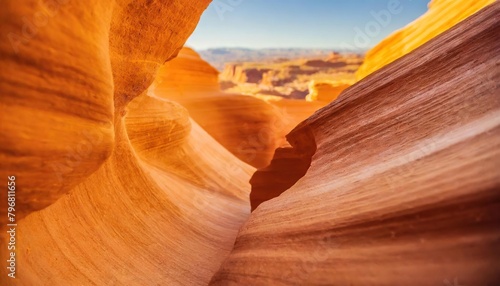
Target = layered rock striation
(111,182)
(249,127)
(121,184)
(403,186)
(442,15)
(65,88)
(289,78)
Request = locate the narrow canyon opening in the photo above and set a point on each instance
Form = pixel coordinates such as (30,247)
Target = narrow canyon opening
(149,142)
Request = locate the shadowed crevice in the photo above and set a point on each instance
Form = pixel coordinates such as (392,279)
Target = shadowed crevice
(288,165)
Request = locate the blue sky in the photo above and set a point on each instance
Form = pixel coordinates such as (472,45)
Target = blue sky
(302,23)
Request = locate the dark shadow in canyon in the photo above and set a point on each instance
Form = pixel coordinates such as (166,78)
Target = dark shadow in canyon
(289,164)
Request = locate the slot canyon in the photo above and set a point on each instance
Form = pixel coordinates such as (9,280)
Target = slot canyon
(127,158)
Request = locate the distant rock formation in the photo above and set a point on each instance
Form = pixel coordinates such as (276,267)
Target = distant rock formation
(289,78)
(334,57)
(442,15)
(325,64)
(219,57)
(326,91)
(238,74)
(251,128)
(403,185)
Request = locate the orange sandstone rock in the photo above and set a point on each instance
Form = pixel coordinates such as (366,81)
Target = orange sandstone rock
(137,220)
(326,91)
(442,15)
(61,85)
(288,78)
(127,211)
(186,77)
(249,127)
(403,186)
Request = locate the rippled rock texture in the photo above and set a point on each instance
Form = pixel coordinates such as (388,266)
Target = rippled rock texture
(249,127)
(403,186)
(128,168)
(114,185)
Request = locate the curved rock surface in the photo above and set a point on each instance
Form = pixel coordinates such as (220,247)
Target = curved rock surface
(61,85)
(403,188)
(133,189)
(142,226)
(249,127)
(119,185)
(442,15)
(187,77)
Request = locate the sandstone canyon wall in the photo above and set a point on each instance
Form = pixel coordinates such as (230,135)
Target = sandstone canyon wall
(118,184)
(65,68)
(131,179)
(442,15)
(403,187)
(249,127)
